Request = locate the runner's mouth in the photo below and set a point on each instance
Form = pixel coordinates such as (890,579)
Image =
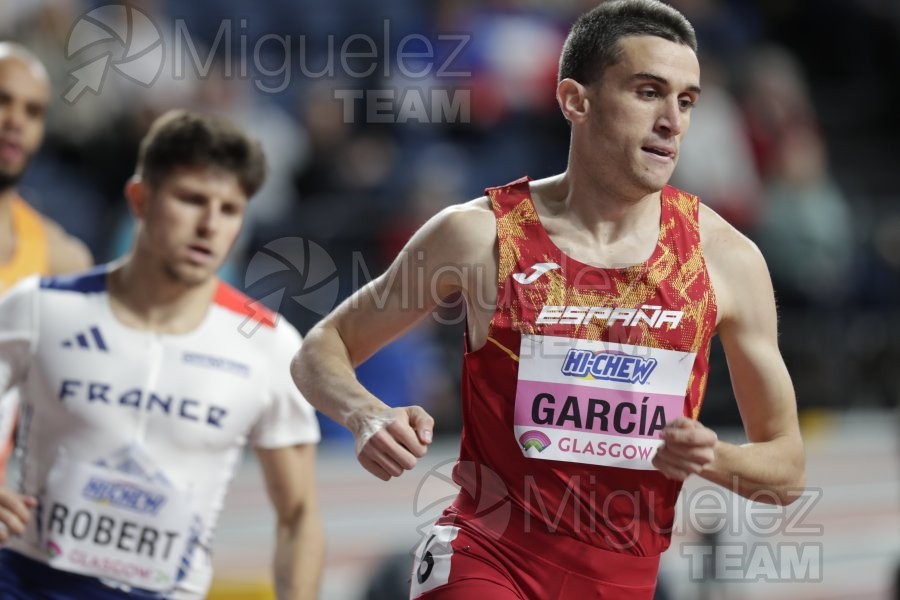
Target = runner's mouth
(659,151)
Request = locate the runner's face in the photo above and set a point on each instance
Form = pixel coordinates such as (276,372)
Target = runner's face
(641,109)
(192,220)
(24,95)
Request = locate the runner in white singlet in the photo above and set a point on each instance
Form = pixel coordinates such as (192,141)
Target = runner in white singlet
(141,384)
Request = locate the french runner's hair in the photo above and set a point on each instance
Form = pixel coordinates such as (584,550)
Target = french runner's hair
(181,138)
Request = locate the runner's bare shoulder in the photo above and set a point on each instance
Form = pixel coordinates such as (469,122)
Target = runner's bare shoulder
(734,261)
(468,231)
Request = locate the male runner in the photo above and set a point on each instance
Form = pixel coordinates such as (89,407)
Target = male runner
(29,243)
(592,297)
(141,383)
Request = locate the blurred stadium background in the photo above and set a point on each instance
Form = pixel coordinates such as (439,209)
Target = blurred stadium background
(794,141)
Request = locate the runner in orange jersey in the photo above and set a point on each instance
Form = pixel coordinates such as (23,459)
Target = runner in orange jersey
(29,242)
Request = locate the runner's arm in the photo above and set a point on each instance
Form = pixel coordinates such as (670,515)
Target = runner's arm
(18,332)
(770,468)
(437,262)
(289,473)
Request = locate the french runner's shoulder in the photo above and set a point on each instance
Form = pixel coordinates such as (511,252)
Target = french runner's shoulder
(17,305)
(244,307)
(253,327)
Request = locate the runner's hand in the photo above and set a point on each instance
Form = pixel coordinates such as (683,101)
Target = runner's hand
(15,511)
(392,441)
(688,447)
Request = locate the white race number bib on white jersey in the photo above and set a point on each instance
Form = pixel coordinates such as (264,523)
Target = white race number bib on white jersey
(113,525)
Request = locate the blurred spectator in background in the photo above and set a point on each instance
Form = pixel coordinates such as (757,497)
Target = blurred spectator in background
(45,29)
(716,160)
(282,137)
(806,227)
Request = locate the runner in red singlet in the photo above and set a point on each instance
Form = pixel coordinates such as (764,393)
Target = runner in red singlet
(591,298)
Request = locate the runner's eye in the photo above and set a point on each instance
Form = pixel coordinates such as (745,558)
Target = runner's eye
(231,209)
(192,199)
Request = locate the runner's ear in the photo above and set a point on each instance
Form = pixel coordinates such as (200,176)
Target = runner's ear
(136,193)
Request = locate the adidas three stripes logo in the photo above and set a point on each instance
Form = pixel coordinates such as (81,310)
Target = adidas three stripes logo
(91,340)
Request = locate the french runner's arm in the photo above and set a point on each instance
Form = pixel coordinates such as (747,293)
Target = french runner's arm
(18,332)
(290,478)
(770,467)
(438,261)
(285,437)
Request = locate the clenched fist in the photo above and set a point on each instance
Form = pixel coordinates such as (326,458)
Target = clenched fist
(391,441)
(688,447)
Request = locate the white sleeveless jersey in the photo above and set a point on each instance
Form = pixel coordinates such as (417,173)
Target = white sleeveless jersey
(164,417)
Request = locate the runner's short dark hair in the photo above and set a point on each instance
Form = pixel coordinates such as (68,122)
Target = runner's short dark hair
(182,138)
(593,42)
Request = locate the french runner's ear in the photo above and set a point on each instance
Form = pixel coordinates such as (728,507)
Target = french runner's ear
(422,422)
(136,194)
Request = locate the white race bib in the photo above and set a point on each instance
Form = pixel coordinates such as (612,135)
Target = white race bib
(593,402)
(113,525)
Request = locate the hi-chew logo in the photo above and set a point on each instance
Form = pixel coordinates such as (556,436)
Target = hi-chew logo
(121,494)
(534,440)
(608,366)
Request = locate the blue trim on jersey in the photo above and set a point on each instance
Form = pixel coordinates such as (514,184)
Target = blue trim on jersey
(88,282)
(22,578)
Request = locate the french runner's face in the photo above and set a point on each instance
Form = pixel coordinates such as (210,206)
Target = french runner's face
(24,96)
(641,110)
(193,221)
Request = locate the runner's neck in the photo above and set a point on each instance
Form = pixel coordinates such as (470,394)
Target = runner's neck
(605,217)
(142,297)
